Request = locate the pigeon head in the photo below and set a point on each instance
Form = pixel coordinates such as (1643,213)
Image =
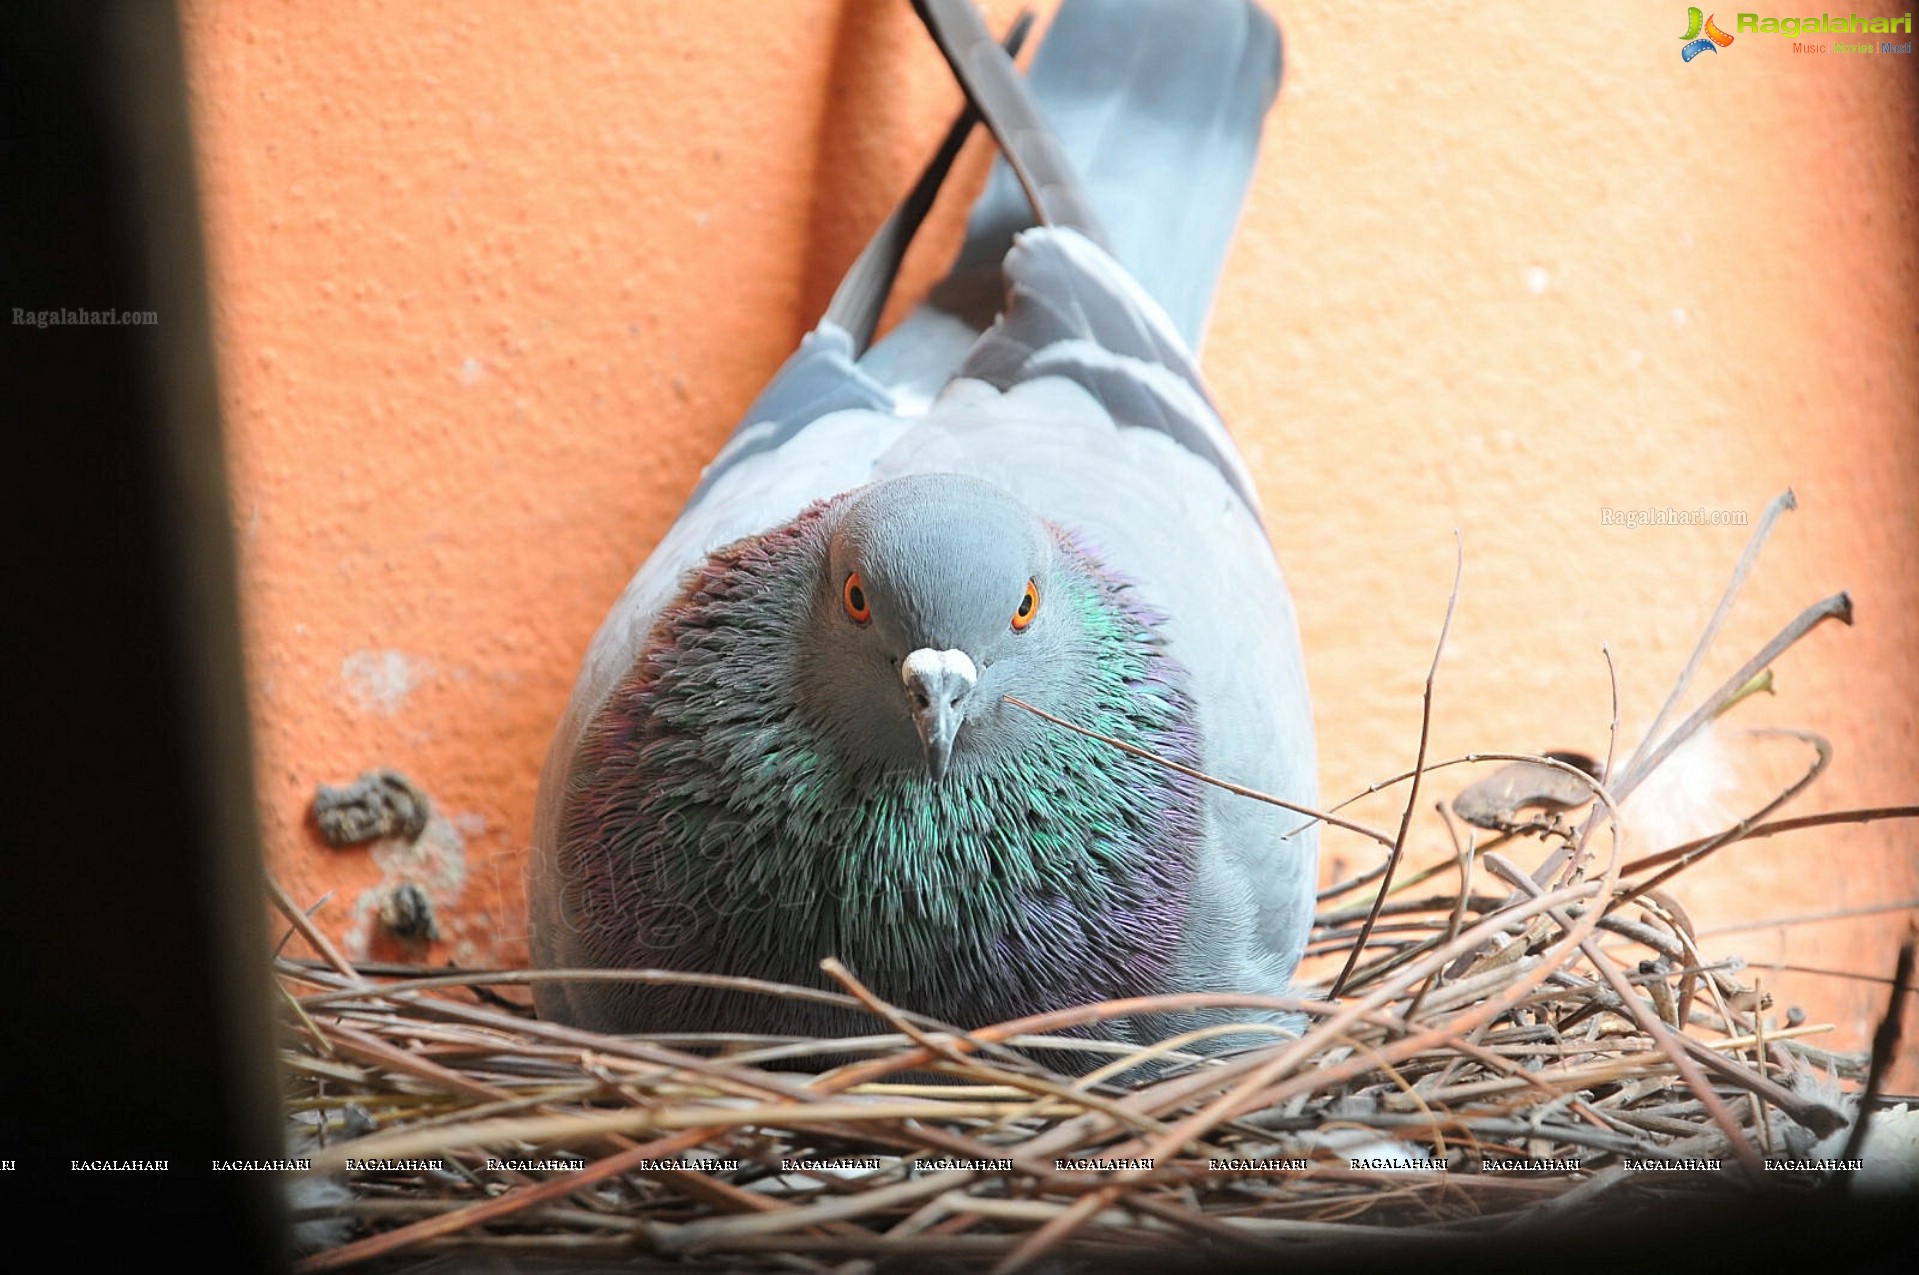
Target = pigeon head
(932,607)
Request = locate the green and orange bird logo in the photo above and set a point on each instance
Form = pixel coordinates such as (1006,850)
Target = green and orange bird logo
(1711,41)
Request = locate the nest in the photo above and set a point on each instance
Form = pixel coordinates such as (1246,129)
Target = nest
(1497,1049)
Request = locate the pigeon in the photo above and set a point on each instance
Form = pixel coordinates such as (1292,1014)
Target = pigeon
(803,730)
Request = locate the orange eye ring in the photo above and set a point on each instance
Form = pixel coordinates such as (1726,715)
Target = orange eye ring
(1028,608)
(853,598)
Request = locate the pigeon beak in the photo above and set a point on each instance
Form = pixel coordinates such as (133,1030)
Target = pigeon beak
(937,684)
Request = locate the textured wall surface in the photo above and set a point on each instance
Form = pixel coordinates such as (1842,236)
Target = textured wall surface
(492,281)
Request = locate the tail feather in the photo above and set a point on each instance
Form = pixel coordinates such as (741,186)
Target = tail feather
(1138,125)
(1158,107)
(1029,149)
(862,293)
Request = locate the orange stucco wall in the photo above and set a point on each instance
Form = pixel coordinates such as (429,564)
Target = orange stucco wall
(493,280)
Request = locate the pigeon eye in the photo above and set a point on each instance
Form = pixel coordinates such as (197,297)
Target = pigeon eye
(1028,608)
(853,596)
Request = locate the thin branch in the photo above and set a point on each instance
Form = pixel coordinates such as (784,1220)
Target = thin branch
(1797,823)
(1780,504)
(1419,769)
(1885,1045)
(1822,757)
(1201,775)
(1836,607)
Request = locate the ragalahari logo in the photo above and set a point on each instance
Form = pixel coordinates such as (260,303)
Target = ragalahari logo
(1711,42)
